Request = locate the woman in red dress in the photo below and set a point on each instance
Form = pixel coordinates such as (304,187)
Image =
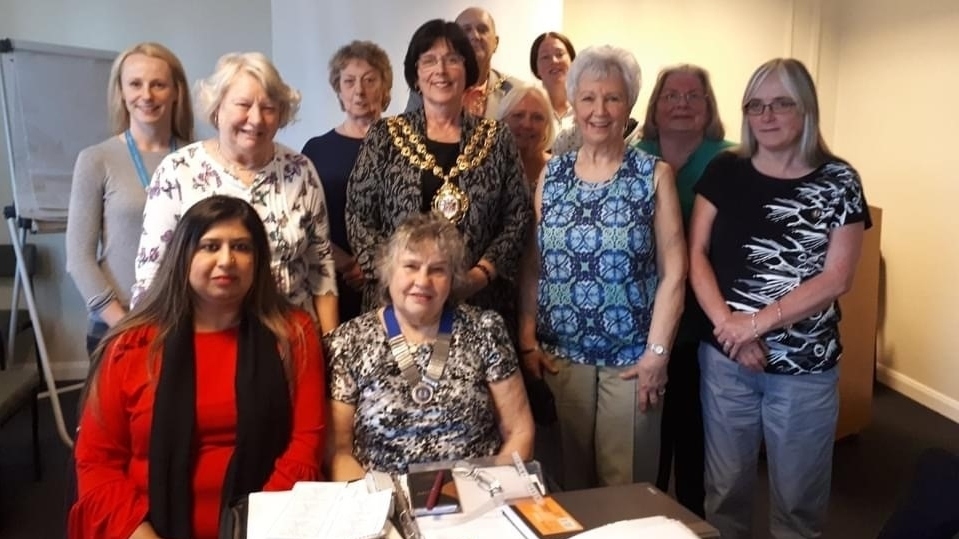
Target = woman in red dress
(211,388)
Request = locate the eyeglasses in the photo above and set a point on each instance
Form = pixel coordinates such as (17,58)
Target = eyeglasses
(780,105)
(691,98)
(450,61)
(484,479)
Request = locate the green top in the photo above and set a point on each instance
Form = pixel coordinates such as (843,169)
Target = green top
(693,324)
(689,174)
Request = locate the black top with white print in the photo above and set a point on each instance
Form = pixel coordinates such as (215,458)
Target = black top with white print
(770,235)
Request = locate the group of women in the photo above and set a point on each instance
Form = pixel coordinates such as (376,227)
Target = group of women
(462,255)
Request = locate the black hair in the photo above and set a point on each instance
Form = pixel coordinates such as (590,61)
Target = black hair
(426,36)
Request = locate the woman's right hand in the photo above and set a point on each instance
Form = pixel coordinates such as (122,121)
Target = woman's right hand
(752,356)
(536,361)
(353,275)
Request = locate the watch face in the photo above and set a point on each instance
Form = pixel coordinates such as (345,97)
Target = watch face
(658,349)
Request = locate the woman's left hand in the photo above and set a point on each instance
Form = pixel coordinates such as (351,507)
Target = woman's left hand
(734,332)
(650,374)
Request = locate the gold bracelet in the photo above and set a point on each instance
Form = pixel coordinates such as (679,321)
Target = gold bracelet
(755,328)
(779,311)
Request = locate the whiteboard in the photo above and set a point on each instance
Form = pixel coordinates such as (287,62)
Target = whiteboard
(54,101)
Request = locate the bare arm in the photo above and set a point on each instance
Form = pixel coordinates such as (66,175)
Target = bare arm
(344,466)
(327,311)
(515,419)
(671,265)
(810,297)
(703,280)
(532,357)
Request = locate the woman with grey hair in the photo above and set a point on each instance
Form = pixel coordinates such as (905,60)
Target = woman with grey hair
(603,286)
(774,239)
(424,378)
(361,76)
(247,102)
(570,138)
(683,128)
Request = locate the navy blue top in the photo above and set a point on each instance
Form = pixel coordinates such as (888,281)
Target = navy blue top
(333,155)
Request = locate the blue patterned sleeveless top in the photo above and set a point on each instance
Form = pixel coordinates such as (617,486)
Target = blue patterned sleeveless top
(598,273)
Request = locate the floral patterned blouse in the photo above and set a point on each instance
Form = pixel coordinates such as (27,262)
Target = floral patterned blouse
(287,195)
(390,431)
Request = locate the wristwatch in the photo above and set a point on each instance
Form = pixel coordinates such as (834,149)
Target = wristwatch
(658,349)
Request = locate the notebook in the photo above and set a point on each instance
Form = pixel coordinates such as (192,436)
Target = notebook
(433,493)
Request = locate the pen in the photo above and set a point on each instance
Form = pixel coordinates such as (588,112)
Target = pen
(434,495)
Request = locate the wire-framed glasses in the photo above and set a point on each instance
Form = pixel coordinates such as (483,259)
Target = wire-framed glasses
(780,105)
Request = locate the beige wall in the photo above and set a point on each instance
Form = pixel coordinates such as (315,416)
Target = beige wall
(896,118)
(887,73)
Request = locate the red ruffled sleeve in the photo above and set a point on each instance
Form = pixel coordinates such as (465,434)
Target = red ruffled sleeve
(301,460)
(111,500)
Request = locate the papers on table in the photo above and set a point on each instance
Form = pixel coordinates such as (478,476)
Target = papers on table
(319,510)
(641,528)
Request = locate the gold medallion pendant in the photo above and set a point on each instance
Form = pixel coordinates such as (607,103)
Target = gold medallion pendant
(451,202)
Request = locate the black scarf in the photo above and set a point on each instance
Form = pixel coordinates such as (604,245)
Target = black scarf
(263,430)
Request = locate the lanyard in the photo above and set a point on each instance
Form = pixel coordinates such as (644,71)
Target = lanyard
(423,387)
(138,160)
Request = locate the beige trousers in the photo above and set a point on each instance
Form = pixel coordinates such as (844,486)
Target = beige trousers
(605,439)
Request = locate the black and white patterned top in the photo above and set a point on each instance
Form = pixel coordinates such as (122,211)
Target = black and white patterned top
(390,431)
(769,236)
(385,189)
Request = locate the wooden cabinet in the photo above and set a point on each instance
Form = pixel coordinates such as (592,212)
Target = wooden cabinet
(858,329)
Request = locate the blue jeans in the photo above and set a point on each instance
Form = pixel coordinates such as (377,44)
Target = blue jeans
(96,329)
(796,416)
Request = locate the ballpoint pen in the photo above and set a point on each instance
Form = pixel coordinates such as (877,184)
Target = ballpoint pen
(434,494)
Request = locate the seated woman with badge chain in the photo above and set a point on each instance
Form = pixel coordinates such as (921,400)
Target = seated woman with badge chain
(424,379)
(441,158)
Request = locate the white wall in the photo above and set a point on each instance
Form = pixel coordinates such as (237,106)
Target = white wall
(306,33)
(896,118)
(198,32)
(886,73)
(729,38)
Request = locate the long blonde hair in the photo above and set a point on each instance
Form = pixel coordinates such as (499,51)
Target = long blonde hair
(182,127)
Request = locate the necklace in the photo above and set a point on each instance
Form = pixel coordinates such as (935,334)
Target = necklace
(450,201)
(235,169)
(422,386)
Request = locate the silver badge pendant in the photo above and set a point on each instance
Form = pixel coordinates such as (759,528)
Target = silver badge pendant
(422,393)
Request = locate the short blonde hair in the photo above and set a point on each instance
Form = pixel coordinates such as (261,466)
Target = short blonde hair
(210,91)
(182,127)
(515,95)
(370,53)
(417,231)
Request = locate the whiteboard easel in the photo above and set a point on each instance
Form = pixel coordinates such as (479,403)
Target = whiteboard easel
(45,128)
